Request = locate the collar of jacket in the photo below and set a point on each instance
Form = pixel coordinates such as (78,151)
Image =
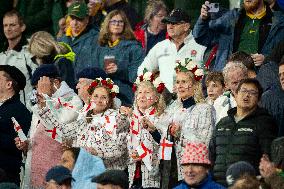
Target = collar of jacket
(207,179)
(187,39)
(23,41)
(188,102)
(259,15)
(12,99)
(258,111)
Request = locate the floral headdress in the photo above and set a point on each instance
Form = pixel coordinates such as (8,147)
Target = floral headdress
(190,65)
(149,76)
(107,83)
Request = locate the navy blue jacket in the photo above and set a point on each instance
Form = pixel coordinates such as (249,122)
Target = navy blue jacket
(10,156)
(207,183)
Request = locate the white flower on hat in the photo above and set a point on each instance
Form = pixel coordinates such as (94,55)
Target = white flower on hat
(115,89)
(109,80)
(199,72)
(137,81)
(191,65)
(182,62)
(100,79)
(147,76)
(157,82)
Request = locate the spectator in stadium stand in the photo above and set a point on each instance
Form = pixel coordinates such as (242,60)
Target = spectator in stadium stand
(248,128)
(112,179)
(99,128)
(12,80)
(80,36)
(143,167)
(215,86)
(254,29)
(16,52)
(272,100)
(272,170)
(58,177)
(180,45)
(196,168)
(183,116)
(43,148)
(233,73)
(46,50)
(119,54)
(83,165)
(152,30)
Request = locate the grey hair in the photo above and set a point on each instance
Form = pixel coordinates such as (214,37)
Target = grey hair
(231,66)
(153,7)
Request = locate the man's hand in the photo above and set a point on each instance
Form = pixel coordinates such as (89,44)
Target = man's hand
(266,167)
(44,86)
(21,145)
(258,59)
(204,11)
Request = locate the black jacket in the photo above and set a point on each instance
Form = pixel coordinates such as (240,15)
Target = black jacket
(246,140)
(10,156)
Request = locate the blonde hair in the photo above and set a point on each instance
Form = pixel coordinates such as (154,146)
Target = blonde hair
(197,86)
(42,44)
(105,36)
(160,105)
(153,7)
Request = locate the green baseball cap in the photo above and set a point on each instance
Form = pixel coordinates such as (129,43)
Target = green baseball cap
(78,9)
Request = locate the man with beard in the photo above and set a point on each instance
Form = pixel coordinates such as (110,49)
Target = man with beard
(245,134)
(254,29)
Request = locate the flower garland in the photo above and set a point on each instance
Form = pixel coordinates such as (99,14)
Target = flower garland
(190,65)
(107,83)
(149,76)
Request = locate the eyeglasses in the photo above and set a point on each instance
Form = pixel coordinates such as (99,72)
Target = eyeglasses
(249,92)
(175,23)
(116,22)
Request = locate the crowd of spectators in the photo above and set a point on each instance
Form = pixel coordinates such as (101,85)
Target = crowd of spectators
(92,96)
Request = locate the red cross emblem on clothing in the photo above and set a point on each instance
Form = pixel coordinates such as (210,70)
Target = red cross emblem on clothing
(53,132)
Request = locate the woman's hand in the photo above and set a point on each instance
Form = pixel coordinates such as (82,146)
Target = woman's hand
(124,110)
(111,68)
(22,145)
(135,156)
(148,124)
(174,129)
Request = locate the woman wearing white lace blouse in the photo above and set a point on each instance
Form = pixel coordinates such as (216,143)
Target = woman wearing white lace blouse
(188,117)
(143,150)
(101,130)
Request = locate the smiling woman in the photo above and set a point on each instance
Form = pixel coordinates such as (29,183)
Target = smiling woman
(119,53)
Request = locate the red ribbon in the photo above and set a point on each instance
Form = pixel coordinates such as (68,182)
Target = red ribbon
(164,145)
(146,151)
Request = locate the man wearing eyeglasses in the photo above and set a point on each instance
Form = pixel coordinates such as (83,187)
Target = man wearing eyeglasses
(245,134)
(180,45)
(273,100)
